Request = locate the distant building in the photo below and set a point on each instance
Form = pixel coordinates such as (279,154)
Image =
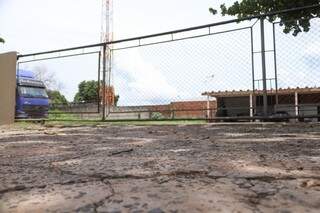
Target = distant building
(174,110)
(296,102)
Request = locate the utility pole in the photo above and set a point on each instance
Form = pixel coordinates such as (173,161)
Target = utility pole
(264,70)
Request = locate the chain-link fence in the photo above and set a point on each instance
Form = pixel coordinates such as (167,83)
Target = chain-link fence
(223,71)
(298,60)
(71,79)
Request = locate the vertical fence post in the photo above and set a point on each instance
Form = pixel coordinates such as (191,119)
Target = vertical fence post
(110,94)
(296,104)
(99,82)
(208,107)
(253,107)
(264,74)
(104,63)
(252,61)
(275,64)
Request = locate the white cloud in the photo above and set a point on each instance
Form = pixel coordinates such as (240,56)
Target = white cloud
(312,49)
(139,81)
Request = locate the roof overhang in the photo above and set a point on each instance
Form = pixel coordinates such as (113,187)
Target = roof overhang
(240,93)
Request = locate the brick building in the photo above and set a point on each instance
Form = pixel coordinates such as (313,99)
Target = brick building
(194,109)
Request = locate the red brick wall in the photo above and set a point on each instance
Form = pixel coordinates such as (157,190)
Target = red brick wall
(193,109)
(186,109)
(165,110)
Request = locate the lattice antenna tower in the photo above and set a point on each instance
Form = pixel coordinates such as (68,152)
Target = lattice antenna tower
(107,31)
(106,20)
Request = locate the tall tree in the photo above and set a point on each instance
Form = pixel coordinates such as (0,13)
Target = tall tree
(56,98)
(1,40)
(294,22)
(87,92)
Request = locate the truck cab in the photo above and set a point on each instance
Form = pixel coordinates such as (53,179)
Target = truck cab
(31,97)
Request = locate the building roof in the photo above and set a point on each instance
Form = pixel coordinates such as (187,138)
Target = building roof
(281,91)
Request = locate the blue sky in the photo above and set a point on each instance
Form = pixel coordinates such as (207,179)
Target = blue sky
(155,74)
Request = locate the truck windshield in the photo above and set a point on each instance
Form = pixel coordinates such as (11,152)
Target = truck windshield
(32,92)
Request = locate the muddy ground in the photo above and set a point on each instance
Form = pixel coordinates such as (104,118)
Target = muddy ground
(199,168)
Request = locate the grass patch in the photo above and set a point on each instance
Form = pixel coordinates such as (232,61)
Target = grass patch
(27,125)
(59,115)
(136,123)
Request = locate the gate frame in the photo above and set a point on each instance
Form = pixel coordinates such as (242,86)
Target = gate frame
(261,17)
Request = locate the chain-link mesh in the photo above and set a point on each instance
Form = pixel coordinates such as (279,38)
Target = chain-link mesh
(298,62)
(173,76)
(218,75)
(298,57)
(63,74)
(208,72)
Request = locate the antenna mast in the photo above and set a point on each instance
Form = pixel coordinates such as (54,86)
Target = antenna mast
(106,21)
(107,36)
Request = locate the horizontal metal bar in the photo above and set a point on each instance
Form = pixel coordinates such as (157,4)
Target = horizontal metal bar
(31,120)
(266,79)
(175,31)
(263,117)
(127,120)
(74,104)
(65,112)
(288,109)
(60,50)
(57,57)
(181,39)
(266,51)
(196,109)
(218,23)
(163,110)
(239,118)
(163,120)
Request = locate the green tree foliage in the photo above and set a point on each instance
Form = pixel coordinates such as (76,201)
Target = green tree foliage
(1,40)
(294,22)
(87,92)
(56,98)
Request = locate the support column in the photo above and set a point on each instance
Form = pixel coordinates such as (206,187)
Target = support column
(251,105)
(208,107)
(275,66)
(296,103)
(104,69)
(99,82)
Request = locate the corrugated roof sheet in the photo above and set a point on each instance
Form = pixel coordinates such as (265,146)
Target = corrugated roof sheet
(281,91)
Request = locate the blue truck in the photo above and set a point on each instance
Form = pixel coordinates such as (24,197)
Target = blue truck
(31,97)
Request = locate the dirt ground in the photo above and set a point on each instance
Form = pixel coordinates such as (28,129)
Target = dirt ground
(195,168)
